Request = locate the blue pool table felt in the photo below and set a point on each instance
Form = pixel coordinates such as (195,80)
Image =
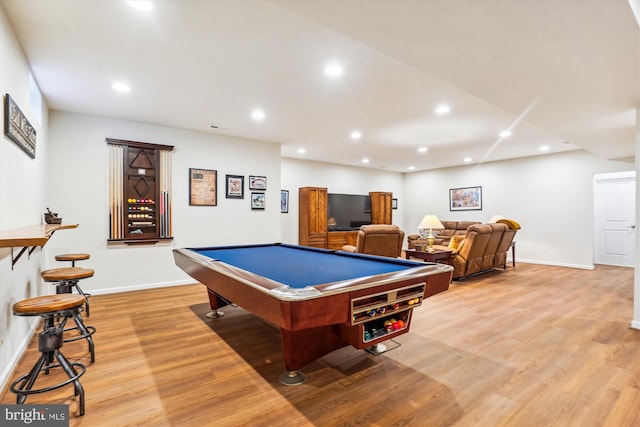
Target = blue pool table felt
(301,267)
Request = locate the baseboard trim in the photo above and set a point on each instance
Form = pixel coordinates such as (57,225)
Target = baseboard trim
(635,324)
(555,264)
(5,376)
(141,287)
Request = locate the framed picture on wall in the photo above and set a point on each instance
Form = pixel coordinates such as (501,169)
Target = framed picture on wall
(203,187)
(394,203)
(465,199)
(257,200)
(17,128)
(284,201)
(234,187)
(257,182)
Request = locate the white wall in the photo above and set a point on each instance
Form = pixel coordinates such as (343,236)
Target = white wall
(22,182)
(78,190)
(337,179)
(551,196)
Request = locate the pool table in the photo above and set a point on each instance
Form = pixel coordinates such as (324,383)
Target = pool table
(320,299)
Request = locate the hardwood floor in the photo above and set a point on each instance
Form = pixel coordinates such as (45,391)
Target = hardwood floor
(530,346)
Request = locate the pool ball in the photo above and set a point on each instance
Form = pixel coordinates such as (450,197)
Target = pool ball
(401,323)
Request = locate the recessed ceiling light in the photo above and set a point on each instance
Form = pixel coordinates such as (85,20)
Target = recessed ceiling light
(258,115)
(333,69)
(121,87)
(467,159)
(356,135)
(505,133)
(301,151)
(143,5)
(443,109)
(411,168)
(422,150)
(543,148)
(365,160)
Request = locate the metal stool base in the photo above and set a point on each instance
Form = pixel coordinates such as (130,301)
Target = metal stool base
(85,332)
(50,341)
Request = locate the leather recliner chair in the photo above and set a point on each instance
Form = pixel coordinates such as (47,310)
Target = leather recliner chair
(378,239)
(483,249)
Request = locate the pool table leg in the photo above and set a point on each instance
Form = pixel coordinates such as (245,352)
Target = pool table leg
(215,302)
(303,346)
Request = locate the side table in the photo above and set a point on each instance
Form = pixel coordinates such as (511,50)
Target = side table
(437,256)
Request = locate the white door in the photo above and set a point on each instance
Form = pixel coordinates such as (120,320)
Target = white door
(615,227)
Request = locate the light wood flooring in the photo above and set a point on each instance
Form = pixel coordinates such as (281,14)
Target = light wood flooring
(530,346)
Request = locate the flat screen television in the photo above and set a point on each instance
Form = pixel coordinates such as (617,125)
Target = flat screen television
(348,212)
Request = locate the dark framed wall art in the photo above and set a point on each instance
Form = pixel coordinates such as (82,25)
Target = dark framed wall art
(17,128)
(284,201)
(234,187)
(257,200)
(203,187)
(257,182)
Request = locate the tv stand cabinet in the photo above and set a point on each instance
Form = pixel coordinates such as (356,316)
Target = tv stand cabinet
(337,239)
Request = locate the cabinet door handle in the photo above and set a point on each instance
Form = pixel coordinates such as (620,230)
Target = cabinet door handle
(632,226)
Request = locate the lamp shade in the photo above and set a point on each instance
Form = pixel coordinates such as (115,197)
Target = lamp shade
(430,221)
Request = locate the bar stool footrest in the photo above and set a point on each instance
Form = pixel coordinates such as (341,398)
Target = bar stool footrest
(23,379)
(91,330)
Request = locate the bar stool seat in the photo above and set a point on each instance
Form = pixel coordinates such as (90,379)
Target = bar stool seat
(51,339)
(66,273)
(67,278)
(72,257)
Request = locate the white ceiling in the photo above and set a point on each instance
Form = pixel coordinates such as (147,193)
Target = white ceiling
(561,73)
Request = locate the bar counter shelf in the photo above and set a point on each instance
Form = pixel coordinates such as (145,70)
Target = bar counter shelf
(29,238)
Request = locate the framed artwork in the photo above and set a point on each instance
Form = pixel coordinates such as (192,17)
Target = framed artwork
(257,182)
(17,128)
(234,186)
(257,200)
(284,201)
(203,187)
(465,199)
(394,203)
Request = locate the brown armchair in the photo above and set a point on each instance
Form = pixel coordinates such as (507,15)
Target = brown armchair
(378,239)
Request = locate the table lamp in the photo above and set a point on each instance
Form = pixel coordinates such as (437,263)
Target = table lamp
(430,222)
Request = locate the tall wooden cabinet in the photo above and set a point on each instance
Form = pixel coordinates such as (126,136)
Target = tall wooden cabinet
(312,218)
(381,207)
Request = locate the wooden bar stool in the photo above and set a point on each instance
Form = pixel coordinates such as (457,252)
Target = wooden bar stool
(72,257)
(67,278)
(50,308)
